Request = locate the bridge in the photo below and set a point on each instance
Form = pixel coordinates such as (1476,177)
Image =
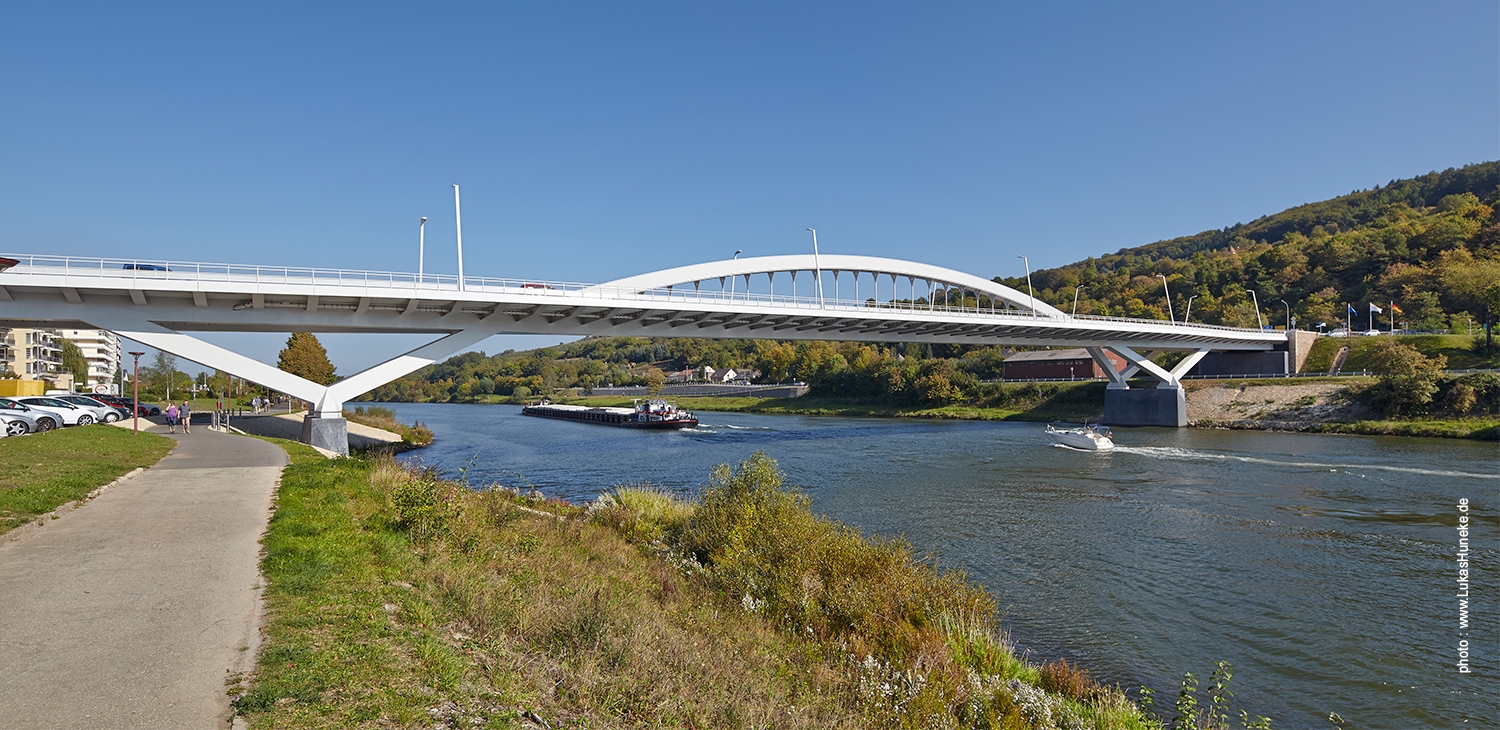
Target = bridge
(839,297)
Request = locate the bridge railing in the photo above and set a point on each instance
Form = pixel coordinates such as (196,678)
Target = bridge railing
(133,272)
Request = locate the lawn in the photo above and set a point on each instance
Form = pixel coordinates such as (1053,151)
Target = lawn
(1457,348)
(41,471)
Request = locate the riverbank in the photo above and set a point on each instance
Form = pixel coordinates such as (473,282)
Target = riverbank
(1032,402)
(396,598)
(41,472)
(1312,405)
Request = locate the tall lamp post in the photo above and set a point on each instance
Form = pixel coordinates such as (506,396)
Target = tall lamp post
(1288,314)
(1189,314)
(1075,298)
(1256,300)
(136,410)
(817,269)
(735,257)
(458,225)
(1030,293)
(1168,292)
(421,246)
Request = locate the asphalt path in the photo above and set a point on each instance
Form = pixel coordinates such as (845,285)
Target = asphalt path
(133,610)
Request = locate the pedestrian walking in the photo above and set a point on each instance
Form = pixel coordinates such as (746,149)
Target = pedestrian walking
(171,418)
(187,416)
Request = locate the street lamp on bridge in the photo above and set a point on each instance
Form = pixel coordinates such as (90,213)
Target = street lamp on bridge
(1189,314)
(1170,317)
(1030,293)
(1075,298)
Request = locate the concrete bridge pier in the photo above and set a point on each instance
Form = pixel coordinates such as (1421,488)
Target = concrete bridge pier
(1164,405)
(326,432)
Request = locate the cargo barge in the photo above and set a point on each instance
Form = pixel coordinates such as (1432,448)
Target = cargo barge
(645,414)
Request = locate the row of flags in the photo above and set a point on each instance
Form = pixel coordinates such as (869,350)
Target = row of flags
(1374,309)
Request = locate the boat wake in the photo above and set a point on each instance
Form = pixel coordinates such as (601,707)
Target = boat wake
(1085,451)
(1180,454)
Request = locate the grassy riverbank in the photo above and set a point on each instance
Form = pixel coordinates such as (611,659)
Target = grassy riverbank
(398,599)
(42,471)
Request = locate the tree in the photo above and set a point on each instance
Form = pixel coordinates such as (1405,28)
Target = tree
(655,381)
(74,362)
(1407,378)
(305,357)
(163,369)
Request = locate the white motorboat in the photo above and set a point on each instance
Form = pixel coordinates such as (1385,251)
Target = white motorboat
(1087,438)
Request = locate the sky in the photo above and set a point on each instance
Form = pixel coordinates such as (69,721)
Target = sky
(596,141)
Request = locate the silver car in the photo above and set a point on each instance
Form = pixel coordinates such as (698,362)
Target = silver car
(17,423)
(67,414)
(103,412)
(42,421)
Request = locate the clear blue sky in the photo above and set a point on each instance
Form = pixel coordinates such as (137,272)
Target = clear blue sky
(596,141)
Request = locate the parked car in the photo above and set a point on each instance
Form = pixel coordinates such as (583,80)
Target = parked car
(67,414)
(125,404)
(44,421)
(104,412)
(17,423)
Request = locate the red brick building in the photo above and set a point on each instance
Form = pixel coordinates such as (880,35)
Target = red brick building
(1061,364)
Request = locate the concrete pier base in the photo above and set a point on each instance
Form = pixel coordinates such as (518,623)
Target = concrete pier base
(326,433)
(1145,407)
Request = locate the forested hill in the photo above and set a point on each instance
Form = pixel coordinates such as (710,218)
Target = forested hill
(1430,244)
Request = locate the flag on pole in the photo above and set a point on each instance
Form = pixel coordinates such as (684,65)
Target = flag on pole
(1396,309)
(1374,308)
(1351,308)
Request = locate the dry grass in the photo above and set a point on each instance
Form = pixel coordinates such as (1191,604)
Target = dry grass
(416,434)
(397,599)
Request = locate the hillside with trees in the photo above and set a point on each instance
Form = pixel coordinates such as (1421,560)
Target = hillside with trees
(1430,244)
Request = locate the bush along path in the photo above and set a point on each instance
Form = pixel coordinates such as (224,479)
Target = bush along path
(398,598)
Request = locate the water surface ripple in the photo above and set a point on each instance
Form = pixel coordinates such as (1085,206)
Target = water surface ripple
(1319,566)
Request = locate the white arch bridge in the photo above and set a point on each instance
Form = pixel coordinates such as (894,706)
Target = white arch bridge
(828,297)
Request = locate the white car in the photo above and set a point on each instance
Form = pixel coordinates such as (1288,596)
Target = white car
(103,412)
(67,413)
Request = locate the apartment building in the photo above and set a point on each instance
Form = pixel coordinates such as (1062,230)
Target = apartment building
(35,353)
(101,348)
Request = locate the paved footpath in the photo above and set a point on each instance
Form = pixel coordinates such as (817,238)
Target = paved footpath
(132,610)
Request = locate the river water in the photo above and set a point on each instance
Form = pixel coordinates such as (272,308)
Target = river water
(1321,567)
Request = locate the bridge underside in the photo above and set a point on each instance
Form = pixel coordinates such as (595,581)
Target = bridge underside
(163,313)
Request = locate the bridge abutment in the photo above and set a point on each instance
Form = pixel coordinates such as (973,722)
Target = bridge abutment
(324,432)
(1161,406)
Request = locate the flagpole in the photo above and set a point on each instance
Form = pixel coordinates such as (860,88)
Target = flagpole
(1393,316)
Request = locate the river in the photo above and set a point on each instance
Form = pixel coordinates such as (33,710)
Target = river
(1321,567)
